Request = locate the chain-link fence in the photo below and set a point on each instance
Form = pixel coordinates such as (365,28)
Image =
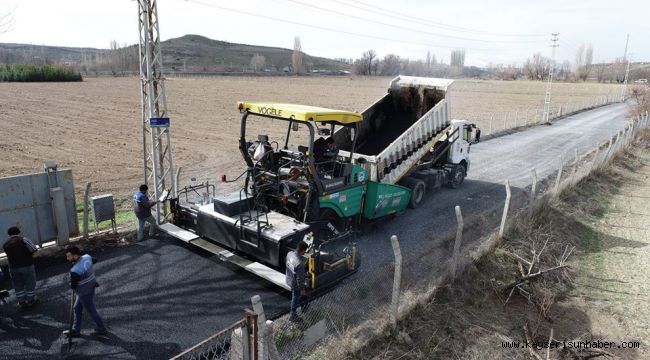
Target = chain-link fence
(237,341)
(494,123)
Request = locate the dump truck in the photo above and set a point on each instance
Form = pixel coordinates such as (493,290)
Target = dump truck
(329,172)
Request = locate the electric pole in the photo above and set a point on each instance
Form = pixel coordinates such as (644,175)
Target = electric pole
(627,69)
(157,156)
(547,96)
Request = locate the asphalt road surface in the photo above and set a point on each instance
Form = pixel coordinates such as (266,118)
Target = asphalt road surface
(509,157)
(159,297)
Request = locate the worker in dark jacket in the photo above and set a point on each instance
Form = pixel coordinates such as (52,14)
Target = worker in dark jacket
(142,208)
(83,283)
(20,255)
(295,279)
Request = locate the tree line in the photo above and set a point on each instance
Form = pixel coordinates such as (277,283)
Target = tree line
(35,73)
(536,67)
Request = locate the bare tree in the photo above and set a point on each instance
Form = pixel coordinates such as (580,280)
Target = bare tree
(391,65)
(564,71)
(367,63)
(296,58)
(457,61)
(257,62)
(584,59)
(537,67)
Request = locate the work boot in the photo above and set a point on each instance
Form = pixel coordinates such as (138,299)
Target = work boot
(73,333)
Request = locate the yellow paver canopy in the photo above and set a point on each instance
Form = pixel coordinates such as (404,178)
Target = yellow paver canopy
(302,113)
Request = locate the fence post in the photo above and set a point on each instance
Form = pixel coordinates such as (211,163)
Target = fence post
(559,177)
(574,171)
(394,306)
(265,344)
(516,117)
(606,153)
(85,218)
(261,326)
(576,154)
(491,119)
(593,162)
(457,243)
(506,206)
(617,144)
(533,189)
(505,119)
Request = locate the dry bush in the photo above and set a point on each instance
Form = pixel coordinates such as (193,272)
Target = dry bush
(640,95)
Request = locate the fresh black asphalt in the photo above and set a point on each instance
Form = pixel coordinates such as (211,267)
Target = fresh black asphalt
(158,297)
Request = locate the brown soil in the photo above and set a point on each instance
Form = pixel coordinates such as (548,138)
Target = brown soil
(94,128)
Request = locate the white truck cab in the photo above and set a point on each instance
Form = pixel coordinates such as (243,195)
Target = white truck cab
(468,134)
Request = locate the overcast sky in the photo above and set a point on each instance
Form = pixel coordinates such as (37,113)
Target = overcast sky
(503,31)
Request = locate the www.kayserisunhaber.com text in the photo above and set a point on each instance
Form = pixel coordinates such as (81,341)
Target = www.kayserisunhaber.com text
(595,344)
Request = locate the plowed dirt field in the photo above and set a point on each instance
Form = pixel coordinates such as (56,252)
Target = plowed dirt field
(93,127)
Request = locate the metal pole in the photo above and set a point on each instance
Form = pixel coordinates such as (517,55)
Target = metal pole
(547,96)
(627,69)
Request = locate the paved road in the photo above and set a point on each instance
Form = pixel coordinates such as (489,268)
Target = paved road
(157,297)
(160,297)
(511,157)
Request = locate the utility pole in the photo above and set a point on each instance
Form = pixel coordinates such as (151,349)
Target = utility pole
(627,69)
(157,157)
(547,96)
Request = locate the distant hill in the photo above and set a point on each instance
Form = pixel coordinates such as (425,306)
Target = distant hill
(198,53)
(191,53)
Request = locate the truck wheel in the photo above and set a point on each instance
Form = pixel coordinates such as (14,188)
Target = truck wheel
(457,176)
(417,191)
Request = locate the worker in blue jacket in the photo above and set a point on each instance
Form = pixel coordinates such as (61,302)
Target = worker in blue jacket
(142,209)
(83,283)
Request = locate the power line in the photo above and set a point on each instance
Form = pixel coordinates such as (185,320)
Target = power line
(418,31)
(395,14)
(313,26)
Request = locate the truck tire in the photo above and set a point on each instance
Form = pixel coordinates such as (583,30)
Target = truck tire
(457,176)
(418,189)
